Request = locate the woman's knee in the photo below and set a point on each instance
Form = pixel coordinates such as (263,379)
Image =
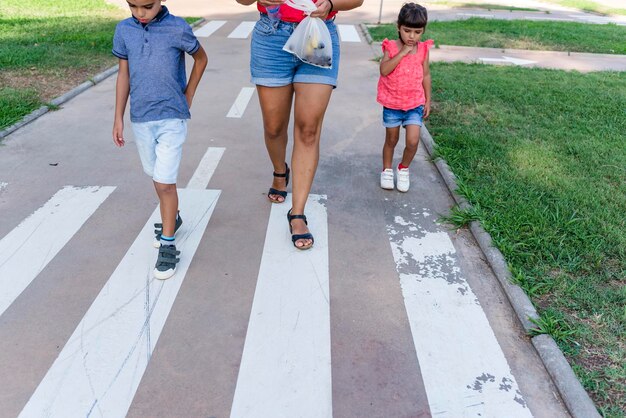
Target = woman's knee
(275,132)
(307,134)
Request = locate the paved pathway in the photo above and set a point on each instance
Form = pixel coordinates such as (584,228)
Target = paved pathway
(390,315)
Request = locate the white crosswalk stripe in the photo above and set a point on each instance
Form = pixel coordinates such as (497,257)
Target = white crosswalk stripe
(210,28)
(463,367)
(27,249)
(347,33)
(100,367)
(286,369)
(242,31)
(241,102)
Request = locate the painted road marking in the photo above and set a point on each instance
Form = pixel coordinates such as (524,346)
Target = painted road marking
(27,249)
(242,31)
(464,371)
(507,60)
(3,185)
(237,109)
(100,367)
(202,176)
(208,29)
(348,33)
(285,368)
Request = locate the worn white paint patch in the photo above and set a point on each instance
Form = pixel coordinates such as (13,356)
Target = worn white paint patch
(3,185)
(100,367)
(242,31)
(210,28)
(348,33)
(286,369)
(27,249)
(464,370)
(202,176)
(241,102)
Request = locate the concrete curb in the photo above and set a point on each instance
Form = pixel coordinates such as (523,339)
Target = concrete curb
(576,399)
(58,101)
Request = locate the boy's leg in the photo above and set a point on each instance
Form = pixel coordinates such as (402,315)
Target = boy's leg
(171,136)
(412,141)
(169,149)
(168,199)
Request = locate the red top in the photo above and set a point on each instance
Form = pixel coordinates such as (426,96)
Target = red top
(402,89)
(289,14)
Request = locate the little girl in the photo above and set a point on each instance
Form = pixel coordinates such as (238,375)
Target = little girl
(404,91)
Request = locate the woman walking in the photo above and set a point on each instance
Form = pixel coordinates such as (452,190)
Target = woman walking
(283,80)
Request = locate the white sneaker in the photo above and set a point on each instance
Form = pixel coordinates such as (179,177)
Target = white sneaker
(386,179)
(403,180)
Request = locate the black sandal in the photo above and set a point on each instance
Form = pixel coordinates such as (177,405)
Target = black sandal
(280,193)
(297,237)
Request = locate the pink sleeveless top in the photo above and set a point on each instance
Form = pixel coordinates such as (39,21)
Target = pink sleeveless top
(402,89)
(289,14)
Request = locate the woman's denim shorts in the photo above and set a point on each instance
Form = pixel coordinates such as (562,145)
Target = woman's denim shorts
(392,118)
(270,66)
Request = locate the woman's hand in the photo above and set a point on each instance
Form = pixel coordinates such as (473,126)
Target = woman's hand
(323,9)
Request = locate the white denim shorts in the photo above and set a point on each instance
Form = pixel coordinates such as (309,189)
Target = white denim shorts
(160,146)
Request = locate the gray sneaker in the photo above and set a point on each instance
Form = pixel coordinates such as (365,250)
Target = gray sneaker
(166,262)
(158,231)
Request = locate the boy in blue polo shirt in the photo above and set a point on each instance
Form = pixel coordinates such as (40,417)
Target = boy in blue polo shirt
(151,47)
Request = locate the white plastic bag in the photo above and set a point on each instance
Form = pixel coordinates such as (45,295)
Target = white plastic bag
(310,41)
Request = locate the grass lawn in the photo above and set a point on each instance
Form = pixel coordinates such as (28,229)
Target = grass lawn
(487,6)
(590,6)
(49,47)
(541,155)
(521,34)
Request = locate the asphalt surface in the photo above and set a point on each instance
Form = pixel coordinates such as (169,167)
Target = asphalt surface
(392,314)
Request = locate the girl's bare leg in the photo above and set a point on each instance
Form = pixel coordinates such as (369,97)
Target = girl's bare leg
(391,140)
(412,141)
(276,109)
(310,105)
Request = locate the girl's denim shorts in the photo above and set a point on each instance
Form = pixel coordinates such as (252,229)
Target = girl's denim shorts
(270,66)
(392,118)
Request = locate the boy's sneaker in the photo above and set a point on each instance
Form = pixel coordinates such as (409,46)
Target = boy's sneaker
(158,231)
(403,180)
(386,179)
(166,262)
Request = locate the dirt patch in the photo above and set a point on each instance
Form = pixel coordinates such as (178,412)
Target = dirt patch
(50,84)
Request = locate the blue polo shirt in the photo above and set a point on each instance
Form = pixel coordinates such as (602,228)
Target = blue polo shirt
(156,61)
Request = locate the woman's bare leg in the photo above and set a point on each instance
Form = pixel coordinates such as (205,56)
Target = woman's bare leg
(310,105)
(276,109)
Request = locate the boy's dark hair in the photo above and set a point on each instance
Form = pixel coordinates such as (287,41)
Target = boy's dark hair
(412,15)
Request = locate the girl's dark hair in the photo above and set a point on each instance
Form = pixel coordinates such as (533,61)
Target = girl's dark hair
(412,15)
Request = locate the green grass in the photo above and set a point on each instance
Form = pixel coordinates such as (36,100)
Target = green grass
(58,43)
(487,6)
(541,155)
(44,41)
(590,6)
(521,34)
(14,104)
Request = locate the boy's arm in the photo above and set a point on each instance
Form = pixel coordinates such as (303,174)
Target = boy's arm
(122,89)
(427,86)
(387,65)
(200,61)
